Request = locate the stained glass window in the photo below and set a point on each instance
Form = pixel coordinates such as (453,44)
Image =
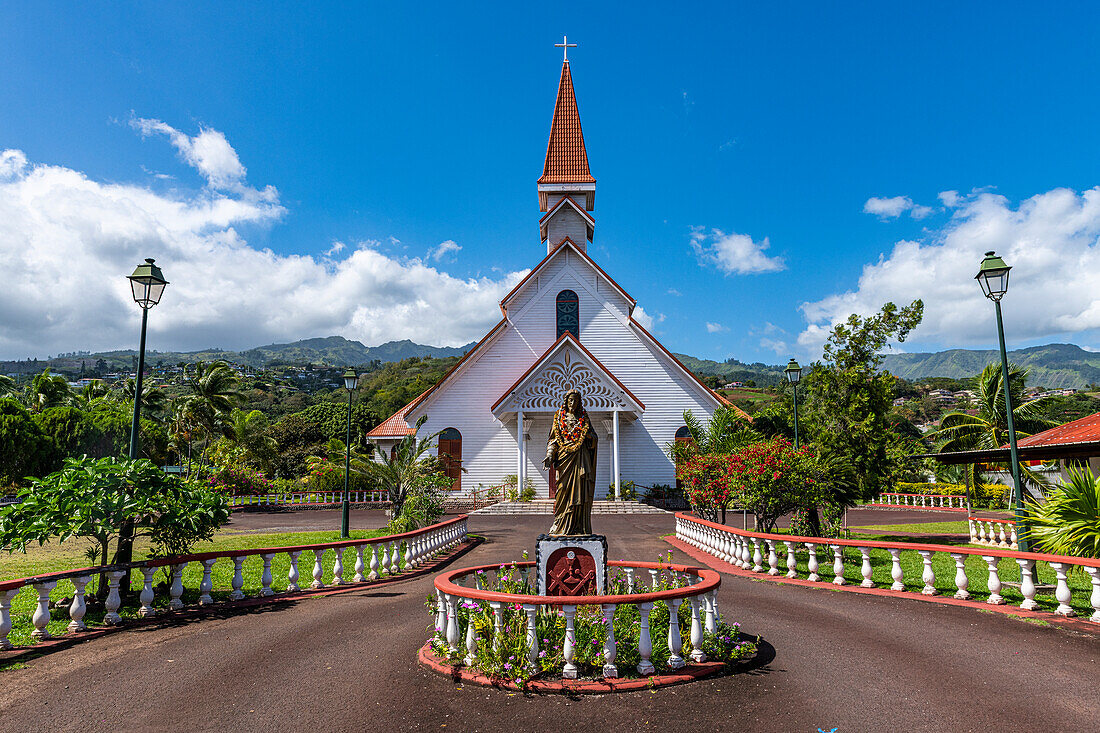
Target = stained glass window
(569,313)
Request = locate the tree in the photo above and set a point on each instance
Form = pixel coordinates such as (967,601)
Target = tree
(726,431)
(47,390)
(251,435)
(298,439)
(94,498)
(960,431)
(847,399)
(154,400)
(772,479)
(72,432)
(213,393)
(25,450)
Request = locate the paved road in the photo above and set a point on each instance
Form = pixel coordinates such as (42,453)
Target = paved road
(347,663)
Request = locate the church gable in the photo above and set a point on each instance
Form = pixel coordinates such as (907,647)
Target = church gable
(566,264)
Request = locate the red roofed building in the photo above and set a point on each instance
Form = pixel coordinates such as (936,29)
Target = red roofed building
(566,325)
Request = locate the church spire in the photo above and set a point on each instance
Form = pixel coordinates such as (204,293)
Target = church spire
(567,189)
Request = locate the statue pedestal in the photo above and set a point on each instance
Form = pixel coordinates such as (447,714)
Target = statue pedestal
(571,565)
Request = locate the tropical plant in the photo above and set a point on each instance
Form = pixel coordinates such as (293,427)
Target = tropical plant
(706,482)
(47,390)
(1068,522)
(212,391)
(961,431)
(251,434)
(398,474)
(154,400)
(7,386)
(727,430)
(772,478)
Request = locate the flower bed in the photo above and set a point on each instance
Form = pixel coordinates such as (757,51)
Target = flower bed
(496,628)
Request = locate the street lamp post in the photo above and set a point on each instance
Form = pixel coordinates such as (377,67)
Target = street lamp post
(147,283)
(351,381)
(993,278)
(794,373)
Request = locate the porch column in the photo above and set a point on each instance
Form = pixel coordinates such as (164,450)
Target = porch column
(615,452)
(522,465)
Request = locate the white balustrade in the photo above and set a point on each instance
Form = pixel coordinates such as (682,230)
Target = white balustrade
(175,588)
(238,578)
(792,562)
(610,650)
(896,573)
(41,615)
(292,576)
(1062,592)
(114,600)
(838,564)
(318,571)
(146,595)
(207,584)
(675,643)
(338,567)
(994,582)
(6,597)
(929,575)
(961,580)
(645,643)
(1027,583)
(866,569)
(570,670)
(79,607)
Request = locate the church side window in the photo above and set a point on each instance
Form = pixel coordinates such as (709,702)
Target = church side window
(569,314)
(450,455)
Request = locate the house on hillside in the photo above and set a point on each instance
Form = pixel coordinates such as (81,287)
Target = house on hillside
(567,325)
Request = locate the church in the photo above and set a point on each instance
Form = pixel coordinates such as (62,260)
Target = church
(566,325)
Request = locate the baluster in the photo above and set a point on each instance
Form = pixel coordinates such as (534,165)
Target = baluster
(77,608)
(773,561)
(471,639)
(532,637)
(265,576)
(440,614)
(757,558)
(746,554)
(114,600)
(498,623)
(41,615)
(374,565)
(386,567)
(408,554)
(961,581)
(792,562)
(207,584)
(697,653)
(645,643)
(629,572)
(570,670)
(610,647)
(1003,538)
(838,564)
(452,623)
(1094,599)
(238,578)
(710,600)
(359,565)
(895,570)
(970,523)
(395,558)
(865,569)
(675,642)
(1062,592)
(338,566)
(175,589)
(653,573)
(146,595)
(929,575)
(994,582)
(1013,545)
(6,597)
(292,576)
(811,564)
(318,570)
(1027,583)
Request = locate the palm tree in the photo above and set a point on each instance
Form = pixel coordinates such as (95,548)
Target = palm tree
(250,434)
(726,431)
(7,385)
(213,393)
(154,400)
(961,431)
(48,390)
(398,473)
(90,396)
(1068,522)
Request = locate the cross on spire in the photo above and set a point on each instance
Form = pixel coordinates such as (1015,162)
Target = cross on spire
(565,45)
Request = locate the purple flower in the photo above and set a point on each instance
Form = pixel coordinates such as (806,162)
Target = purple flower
(507,665)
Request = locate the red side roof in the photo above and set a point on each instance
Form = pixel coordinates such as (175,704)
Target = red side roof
(1084,430)
(566,158)
(394,426)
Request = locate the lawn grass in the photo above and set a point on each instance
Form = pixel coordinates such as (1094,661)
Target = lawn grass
(70,555)
(922,527)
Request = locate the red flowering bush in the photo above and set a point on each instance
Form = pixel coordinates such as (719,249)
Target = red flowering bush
(706,482)
(771,479)
(240,481)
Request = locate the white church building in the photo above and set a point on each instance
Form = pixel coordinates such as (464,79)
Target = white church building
(567,325)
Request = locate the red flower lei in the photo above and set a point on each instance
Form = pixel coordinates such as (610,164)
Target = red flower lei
(570,440)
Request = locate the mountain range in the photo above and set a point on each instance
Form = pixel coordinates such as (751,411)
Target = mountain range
(1052,365)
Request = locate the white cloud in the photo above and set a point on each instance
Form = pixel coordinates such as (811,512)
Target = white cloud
(647,321)
(715,327)
(733,254)
(208,152)
(67,243)
(776,345)
(444,249)
(891,208)
(335,249)
(675,292)
(1052,240)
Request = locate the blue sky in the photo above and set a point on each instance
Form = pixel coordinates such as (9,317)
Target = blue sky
(295,168)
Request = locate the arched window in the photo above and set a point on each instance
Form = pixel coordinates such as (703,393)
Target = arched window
(569,314)
(450,455)
(683,435)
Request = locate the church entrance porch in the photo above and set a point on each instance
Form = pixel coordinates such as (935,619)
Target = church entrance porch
(531,451)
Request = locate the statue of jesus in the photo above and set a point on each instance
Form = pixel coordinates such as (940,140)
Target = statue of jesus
(571,449)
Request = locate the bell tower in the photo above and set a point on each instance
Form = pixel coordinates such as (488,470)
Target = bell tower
(567,190)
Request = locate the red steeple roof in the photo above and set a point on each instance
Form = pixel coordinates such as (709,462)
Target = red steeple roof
(566,158)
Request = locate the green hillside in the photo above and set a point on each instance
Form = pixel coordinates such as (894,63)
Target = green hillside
(732,370)
(1053,365)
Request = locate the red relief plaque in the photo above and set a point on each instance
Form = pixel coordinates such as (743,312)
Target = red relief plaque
(570,571)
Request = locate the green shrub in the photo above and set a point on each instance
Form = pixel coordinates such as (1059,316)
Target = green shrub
(988,496)
(512,493)
(627,489)
(25,450)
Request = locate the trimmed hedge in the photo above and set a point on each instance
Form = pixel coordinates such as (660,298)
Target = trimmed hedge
(991,496)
